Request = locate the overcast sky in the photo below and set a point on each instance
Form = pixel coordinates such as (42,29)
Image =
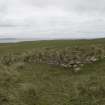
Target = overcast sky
(52,18)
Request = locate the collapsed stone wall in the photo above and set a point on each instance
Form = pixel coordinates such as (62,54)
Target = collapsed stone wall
(71,57)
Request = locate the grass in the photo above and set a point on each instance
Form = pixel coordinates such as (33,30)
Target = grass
(24,83)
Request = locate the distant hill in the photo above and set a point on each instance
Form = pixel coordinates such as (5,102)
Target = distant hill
(7,38)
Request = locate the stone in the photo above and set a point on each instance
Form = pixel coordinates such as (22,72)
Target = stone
(93,59)
(77,69)
(75,66)
(64,65)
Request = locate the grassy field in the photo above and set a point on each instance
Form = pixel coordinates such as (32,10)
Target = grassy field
(24,81)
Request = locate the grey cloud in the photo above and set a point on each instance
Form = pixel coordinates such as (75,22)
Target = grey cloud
(52,18)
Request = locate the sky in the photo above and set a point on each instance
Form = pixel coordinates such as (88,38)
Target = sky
(52,18)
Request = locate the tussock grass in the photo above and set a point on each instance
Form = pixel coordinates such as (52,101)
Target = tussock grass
(53,73)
